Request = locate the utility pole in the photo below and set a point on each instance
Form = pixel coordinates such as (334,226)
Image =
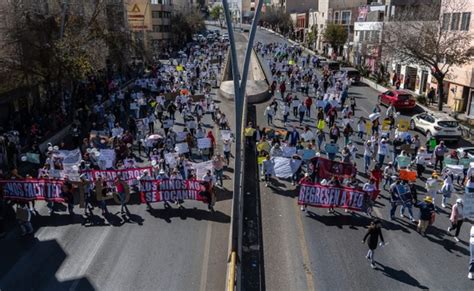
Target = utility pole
(240,83)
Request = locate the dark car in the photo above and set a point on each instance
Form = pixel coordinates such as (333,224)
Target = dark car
(351,73)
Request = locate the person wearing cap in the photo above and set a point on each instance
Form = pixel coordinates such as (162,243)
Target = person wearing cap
(432,186)
(439,152)
(406,198)
(249,133)
(457,218)
(427,211)
(374,231)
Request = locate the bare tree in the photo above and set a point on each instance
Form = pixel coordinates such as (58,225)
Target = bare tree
(426,35)
(57,46)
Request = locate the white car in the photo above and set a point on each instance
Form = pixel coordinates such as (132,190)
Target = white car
(439,125)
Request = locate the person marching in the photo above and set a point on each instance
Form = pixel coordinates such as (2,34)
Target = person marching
(457,218)
(373,233)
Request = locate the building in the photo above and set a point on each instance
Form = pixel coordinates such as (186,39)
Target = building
(459,82)
(343,12)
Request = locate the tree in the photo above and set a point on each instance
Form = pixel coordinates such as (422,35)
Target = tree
(217,13)
(336,35)
(427,39)
(278,20)
(185,24)
(38,48)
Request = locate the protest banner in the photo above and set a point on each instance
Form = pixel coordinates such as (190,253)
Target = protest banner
(307,154)
(170,159)
(204,143)
(171,190)
(181,148)
(27,190)
(201,168)
(407,175)
(226,135)
(288,151)
(317,195)
(128,175)
(327,168)
(181,136)
(285,167)
(107,157)
(468,209)
(386,125)
(450,161)
(403,125)
(33,158)
(465,162)
(403,161)
(70,158)
(456,170)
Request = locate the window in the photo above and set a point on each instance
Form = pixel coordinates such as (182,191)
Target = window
(446,19)
(154,1)
(156,28)
(346,17)
(455,21)
(375,36)
(336,17)
(465,21)
(157,14)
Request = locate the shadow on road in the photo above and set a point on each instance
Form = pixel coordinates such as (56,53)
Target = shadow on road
(185,213)
(38,271)
(400,276)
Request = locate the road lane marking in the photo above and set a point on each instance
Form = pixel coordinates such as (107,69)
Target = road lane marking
(304,250)
(90,257)
(205,260)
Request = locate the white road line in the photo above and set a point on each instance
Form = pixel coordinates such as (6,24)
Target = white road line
(205,260)
(90,257)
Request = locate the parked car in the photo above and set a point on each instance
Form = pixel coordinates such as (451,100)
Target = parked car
(352,73)
(439,125)
(400,99)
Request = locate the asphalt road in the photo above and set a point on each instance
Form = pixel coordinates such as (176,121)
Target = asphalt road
(315,250)
(158,250)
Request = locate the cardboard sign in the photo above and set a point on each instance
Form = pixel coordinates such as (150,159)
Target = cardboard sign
(468,209)
(226,135)
(407,175)
(204,143)
(403,125)
(33,158)
(403,161)
(386,125)
(181,148)
(285,167)
(181,136)
(107,156)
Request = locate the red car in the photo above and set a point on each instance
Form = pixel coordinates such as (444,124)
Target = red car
(398,98)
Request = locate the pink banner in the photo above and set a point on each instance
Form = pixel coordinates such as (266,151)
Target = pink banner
(338,197)
(28,190)
(172,190)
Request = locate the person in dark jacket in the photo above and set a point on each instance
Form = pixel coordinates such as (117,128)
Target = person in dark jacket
(373,233)
(427,210)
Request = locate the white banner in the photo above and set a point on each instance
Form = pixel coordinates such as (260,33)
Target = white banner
(201,168)
(285,167)
(107,158)
(70,158)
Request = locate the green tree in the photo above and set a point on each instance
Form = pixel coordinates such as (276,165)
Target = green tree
(336,35)
(217,13)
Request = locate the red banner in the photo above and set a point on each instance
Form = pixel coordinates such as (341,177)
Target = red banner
(126,174)
(327,168)
(338,197)
(172,190)
(28,190)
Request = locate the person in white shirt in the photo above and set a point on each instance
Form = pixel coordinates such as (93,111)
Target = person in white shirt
(382,152)
(269,113)
(432,186)
(368,153)
(267,168)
